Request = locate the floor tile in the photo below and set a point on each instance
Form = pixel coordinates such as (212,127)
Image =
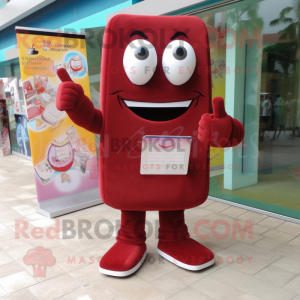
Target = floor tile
(288,264)
(294,242)
(290,228)
(270,222)
(17,281)
(191,294)
(278,236)
(275,276)
(254,258)
(17,249)
(258,229)
(217,206)
(294,285)
(95,291)
(267,244)
(51,271)
(175,281)
(4,258)
(88,274)
(55,287)
(251,285)
(234,211)
(133,287)
(253,216)
(265,266)
(289,251)
(206,203)
(2,292)
(24,209)
(199,212)
(24,294)
(218,290)
(154,266)
(10,268)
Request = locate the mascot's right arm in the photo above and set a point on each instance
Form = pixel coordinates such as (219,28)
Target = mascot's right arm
(80,109)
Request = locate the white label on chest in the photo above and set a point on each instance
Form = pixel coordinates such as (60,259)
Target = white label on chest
(165,155)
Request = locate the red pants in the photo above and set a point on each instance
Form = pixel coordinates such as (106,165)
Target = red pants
(172,227)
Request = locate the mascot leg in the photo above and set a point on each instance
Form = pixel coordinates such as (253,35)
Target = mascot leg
(129,252)
(176,246)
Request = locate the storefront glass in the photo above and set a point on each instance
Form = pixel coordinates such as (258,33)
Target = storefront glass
(3,2)
(10,75)
(255,49)
(94,39)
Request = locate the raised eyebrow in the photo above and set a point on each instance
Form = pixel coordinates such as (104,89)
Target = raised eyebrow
(138,32)
(177,34)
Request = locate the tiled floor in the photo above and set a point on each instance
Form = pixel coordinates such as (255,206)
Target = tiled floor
(263,266)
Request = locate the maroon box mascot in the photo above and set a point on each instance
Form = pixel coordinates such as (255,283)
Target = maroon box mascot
(154,81)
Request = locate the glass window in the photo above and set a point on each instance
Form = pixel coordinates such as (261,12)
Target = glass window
(3,2)
(255,65)
(94,39)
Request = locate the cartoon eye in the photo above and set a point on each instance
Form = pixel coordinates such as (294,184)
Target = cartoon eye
(141,53)
(179,53)
(140,61)
(179,62)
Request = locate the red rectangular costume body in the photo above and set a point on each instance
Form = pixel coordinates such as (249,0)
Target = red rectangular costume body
(121,184)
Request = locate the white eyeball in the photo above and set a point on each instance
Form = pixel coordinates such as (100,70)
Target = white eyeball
(179,62)
(140,61)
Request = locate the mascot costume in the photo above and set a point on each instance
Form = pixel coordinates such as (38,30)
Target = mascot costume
(155,80)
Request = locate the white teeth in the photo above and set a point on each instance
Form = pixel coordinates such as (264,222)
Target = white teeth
(158,105)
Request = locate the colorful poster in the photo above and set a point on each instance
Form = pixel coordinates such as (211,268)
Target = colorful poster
(11,116)
(4,129)
(2,89)
(21,137)
(15,96)
(61,151)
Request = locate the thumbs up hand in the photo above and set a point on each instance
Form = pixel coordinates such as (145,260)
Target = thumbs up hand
(219,129)
(69,94)
(70,98)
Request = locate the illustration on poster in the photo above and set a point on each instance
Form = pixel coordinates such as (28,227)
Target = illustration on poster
(75,65)
(2,89)
(4,133)
(59,148)
(22,137)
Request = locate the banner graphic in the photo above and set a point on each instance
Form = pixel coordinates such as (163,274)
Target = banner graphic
(61,151)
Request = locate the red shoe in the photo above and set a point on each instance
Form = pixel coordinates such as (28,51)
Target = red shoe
(122,259)
(187,254)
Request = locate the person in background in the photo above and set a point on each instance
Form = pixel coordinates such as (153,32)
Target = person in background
(279,115)
(291,113)
(266,114)
(261,123)
(298,117)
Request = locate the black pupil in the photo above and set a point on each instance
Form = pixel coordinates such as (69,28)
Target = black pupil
(180,51)
(141,51)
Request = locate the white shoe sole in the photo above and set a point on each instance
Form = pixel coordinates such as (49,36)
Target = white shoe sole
(185,266)
(123,273)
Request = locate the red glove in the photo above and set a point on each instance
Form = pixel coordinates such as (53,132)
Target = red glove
(219,129)
(70,98)
(70,95)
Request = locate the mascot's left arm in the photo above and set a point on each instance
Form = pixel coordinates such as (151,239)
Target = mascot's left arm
(219,129)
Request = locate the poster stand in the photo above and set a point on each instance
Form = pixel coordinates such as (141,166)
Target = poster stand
(64,205)
(63,154)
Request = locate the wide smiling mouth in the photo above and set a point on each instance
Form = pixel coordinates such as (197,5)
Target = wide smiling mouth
(159,112)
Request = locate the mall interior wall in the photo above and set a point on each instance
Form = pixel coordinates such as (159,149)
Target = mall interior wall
(71,14)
